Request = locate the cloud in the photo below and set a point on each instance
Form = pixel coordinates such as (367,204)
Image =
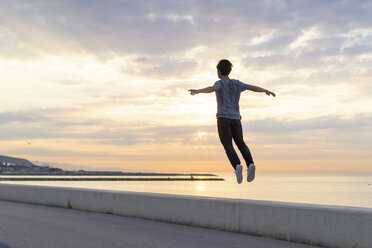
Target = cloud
(23,117)
(160,67)
(104,29)
(331,137)
(155,37)
(158,27)
(326,123)
(35,125)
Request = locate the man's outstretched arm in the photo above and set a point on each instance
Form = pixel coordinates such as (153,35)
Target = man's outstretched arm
(209,89)
(259,89)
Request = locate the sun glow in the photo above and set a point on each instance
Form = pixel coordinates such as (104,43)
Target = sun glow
(200,186)
(201,134)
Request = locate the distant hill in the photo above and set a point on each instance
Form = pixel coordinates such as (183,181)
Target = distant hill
(16,161)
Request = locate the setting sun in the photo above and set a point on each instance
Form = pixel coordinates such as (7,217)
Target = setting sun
(201,134)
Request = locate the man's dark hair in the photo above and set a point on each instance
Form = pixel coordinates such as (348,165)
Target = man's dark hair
(224,66)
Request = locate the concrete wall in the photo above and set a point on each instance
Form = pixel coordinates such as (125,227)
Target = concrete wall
(329,226)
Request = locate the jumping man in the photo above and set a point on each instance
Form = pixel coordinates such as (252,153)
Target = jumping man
(228,117)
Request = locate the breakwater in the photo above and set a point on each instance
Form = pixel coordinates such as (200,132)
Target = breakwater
(111,179)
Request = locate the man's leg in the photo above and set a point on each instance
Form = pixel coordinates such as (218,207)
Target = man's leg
(225,134)
(237,134)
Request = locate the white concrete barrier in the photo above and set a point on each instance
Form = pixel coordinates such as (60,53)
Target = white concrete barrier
(330,226)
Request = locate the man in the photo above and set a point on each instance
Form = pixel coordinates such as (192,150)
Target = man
(228,117)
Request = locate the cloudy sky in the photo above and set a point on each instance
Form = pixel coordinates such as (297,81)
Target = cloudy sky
(104,83)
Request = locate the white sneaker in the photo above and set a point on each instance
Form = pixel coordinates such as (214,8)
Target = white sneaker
(251,172)
(239,173)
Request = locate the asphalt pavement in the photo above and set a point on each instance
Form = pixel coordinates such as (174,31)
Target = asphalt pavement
(34,226)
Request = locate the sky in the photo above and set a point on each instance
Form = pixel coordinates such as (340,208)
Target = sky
(104,84)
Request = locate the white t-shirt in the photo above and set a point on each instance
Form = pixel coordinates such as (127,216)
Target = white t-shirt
(228,96)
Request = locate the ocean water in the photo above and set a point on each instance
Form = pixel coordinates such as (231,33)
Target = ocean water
(327,189)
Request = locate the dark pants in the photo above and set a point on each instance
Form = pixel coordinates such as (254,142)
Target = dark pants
(229,129)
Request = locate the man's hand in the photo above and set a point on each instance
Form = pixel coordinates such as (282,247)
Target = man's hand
(209,89)
(193,92)
(259,89)
(270,93)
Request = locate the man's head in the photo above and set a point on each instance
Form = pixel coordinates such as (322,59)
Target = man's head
(224,67)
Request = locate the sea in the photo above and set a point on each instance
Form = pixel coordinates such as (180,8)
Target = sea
(338,189)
